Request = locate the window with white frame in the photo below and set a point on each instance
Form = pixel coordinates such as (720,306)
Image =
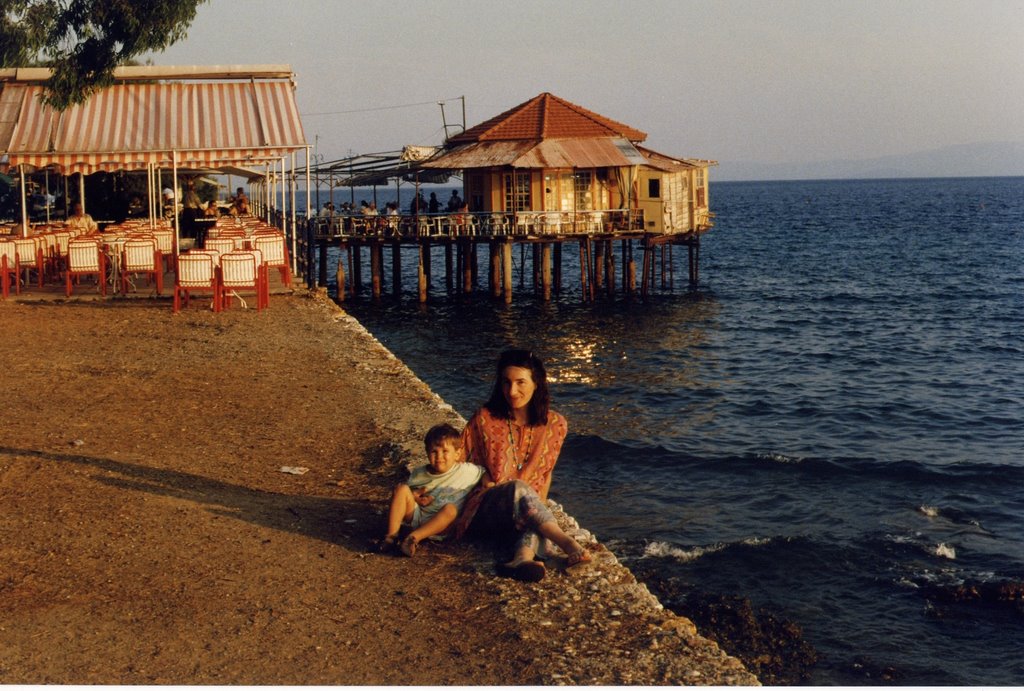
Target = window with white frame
(517,192)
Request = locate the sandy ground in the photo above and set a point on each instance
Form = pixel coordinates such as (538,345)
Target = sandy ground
(149,536)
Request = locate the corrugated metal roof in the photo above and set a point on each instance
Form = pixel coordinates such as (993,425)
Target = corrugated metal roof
(595,152)
(127,126)
(547,117)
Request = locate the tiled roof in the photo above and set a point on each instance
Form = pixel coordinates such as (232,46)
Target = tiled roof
(546,117)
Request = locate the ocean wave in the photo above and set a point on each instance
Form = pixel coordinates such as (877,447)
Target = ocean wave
(689,554)
(665,549)
(945,551)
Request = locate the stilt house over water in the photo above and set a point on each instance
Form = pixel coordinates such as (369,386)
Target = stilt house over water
(562,168)
(542,174)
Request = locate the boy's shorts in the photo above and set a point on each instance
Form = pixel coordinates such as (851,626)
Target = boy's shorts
(417,519)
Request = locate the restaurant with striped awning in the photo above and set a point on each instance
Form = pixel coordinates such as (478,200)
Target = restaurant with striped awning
(155,119)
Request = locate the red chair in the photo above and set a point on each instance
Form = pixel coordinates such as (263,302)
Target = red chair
(196,273)
(275,254)
(8,268)
(29,258)
(165,243)
(86,258)
(141,256)
(243,270)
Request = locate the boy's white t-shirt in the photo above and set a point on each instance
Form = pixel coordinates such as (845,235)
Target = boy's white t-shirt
(451,487)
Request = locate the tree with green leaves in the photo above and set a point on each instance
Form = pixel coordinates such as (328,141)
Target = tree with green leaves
(82,41)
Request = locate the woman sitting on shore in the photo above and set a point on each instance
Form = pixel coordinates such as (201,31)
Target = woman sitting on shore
(517,438)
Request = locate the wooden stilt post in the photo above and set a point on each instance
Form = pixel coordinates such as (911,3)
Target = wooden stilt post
(664,267)
(557,270)
(632,274)
(695,263)
(357,267)
(421,274)
(506,269)
(495,268)
(646,269)
(609,265)
(591,268)
(396,268)
(375,269)
(474,271)
(545,270)
(425,244)
(448,268)
(322,273)
(598,264)
(467,266)
(340,277)
(671,272)
(624,251)
(584,275)
(537,269)
(522,265)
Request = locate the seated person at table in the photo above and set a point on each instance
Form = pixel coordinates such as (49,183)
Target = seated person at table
(432,497)
(80,221)
(240,206)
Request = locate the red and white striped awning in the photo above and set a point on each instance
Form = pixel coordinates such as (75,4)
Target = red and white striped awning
(130,126)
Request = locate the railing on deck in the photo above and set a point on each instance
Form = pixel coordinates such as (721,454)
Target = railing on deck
(477,224)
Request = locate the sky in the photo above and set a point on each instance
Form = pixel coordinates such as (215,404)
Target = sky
(770,81)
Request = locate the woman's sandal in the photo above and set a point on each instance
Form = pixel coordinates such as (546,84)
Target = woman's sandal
(576,558)
(408,546)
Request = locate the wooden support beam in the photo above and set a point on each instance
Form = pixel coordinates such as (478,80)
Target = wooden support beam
(396,268)
(421,274)
(473,262)
(449,269)
(322,267)
(376,269)
(671,271)
(624,248)
(425,245)
(557,269)
(340,277)
(495,268)
(356,254)
(467,265)
(506,269)
(545,270)
(609,266)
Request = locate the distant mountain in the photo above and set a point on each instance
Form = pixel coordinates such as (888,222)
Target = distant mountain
(965,160)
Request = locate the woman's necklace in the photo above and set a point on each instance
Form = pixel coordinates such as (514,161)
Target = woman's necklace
(520,462)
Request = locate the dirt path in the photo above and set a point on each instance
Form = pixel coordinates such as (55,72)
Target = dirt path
(149,536)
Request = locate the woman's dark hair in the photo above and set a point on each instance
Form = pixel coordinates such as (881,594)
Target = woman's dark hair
(537,408)
(439,434)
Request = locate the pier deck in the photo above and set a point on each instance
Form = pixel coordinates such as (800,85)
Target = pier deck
(461,235)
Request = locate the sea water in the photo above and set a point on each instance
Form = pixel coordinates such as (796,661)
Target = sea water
(831,424)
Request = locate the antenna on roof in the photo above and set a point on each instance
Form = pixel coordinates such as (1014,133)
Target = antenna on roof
(444,122)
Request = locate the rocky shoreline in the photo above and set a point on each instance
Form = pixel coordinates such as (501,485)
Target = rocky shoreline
(609,628)
(152,534)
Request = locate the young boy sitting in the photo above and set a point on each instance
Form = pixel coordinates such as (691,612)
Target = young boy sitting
(431,499)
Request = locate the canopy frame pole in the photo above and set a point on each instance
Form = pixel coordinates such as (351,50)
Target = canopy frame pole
(24,201)
(309,211)
(149,192)
(174,198)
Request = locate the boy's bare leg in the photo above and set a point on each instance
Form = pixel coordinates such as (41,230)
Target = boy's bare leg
(402,505)
(437,524)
